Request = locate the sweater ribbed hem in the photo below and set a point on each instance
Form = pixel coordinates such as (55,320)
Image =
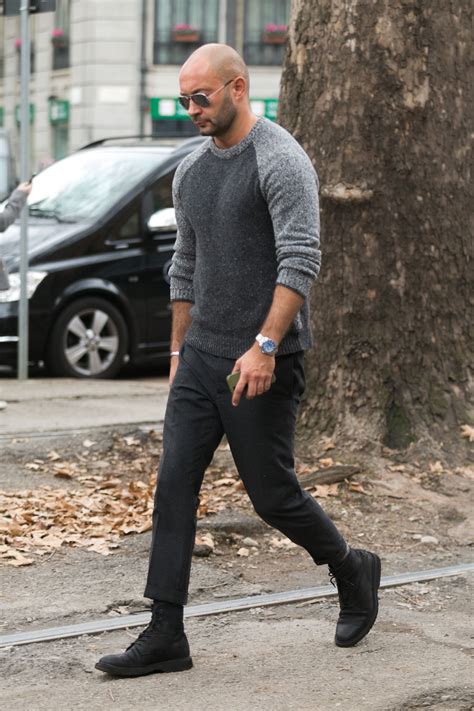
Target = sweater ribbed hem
(177,294)
(227,346)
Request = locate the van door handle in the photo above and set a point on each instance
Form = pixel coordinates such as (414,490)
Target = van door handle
(123,244)
(117,245)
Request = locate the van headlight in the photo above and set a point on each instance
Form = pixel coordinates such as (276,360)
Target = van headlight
(33,280)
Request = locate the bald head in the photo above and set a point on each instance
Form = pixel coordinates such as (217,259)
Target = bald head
(220,60)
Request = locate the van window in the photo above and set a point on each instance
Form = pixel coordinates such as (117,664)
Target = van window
(87,184)
(161,193)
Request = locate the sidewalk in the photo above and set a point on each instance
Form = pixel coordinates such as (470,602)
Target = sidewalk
(52,404)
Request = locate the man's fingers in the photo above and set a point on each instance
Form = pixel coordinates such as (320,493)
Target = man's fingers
(236,367)
(239,389)
(252,389)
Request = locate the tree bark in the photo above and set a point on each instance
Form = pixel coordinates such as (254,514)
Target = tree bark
(378,95)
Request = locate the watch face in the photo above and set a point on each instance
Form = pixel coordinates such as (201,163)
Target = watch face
(269,347)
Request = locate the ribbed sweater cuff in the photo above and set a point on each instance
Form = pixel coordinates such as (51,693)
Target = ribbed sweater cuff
(296,280)
(179,294)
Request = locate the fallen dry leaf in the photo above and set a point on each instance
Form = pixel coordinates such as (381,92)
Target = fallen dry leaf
(131,441)
(322,491)
(467,432)
(63,473)
(15,558)
(357,487)
(206,539)
(227,481)
(328,462)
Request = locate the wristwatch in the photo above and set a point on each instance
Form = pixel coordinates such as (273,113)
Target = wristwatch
(267,345)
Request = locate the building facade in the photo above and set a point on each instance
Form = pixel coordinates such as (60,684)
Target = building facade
(104,68)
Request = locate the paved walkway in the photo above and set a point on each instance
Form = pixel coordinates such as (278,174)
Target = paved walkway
(52,404)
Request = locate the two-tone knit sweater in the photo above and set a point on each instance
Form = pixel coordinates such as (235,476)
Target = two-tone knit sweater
(248,219)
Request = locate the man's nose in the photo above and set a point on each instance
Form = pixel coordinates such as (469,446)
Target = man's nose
(194,109)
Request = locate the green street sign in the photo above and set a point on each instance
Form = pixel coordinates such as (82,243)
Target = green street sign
(163,108)
(17,113)
(167,108)
(2,115)
(265,107)
(58,111)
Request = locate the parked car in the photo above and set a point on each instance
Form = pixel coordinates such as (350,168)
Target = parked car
(101,235)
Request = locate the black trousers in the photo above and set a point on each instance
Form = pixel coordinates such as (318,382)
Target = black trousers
(261,435)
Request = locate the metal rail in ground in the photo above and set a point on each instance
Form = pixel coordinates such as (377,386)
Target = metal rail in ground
(49,434)
(217,608)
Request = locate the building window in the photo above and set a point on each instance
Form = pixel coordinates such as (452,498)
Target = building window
(60,34)
(181,26)
(265,36)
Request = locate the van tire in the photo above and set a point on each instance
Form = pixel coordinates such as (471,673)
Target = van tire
(88,340)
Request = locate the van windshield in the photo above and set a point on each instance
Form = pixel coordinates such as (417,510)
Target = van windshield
(85,185)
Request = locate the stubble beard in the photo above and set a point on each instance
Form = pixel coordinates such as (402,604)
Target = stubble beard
(220,124)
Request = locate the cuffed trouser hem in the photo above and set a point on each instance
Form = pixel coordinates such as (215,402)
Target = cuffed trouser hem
(337,559)
(157,593)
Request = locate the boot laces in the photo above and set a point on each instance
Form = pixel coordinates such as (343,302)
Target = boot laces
(150,629)
(343,586)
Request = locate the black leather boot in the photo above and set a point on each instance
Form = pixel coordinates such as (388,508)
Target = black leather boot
(358,580)
(161,647)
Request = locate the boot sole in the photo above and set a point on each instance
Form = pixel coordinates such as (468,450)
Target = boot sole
(170,665)
(376,572)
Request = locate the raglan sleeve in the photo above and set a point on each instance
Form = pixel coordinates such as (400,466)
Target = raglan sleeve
(12,209)
(182,267)
(290,185)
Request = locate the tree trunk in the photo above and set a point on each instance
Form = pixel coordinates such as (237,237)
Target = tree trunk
(378,95)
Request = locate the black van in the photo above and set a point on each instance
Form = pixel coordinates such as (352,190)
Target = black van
(101,235)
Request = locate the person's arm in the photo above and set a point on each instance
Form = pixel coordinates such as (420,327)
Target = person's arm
(181,321)
(181,277)
(14,205)
(291,190)
(255,368)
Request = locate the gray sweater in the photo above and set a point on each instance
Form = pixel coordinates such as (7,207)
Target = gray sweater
(12,209)
(248,219)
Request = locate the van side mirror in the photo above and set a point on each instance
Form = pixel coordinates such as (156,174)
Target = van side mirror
(163,221)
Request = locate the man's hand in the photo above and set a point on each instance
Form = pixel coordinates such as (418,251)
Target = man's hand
(174,362)
(256,370)
(25,188)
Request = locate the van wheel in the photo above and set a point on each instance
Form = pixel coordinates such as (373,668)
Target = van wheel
(89,340)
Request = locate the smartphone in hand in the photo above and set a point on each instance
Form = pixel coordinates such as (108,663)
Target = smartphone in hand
(233,379)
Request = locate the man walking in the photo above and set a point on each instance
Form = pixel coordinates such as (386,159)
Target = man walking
(246,255)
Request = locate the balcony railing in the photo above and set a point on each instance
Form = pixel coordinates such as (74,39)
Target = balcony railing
(259,53)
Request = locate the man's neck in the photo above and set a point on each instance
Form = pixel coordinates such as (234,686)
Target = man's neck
(239,129)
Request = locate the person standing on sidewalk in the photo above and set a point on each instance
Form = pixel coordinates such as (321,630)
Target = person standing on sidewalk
(246,255)
(10,213)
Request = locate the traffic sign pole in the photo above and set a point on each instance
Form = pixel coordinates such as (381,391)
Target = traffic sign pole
(24,177)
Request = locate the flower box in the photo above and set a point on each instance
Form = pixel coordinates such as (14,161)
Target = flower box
(186,33)
(274,34)
(59,39)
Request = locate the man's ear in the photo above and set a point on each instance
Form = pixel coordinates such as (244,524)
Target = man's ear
(239,87)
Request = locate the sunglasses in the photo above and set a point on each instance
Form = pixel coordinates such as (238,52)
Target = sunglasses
(199,99)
